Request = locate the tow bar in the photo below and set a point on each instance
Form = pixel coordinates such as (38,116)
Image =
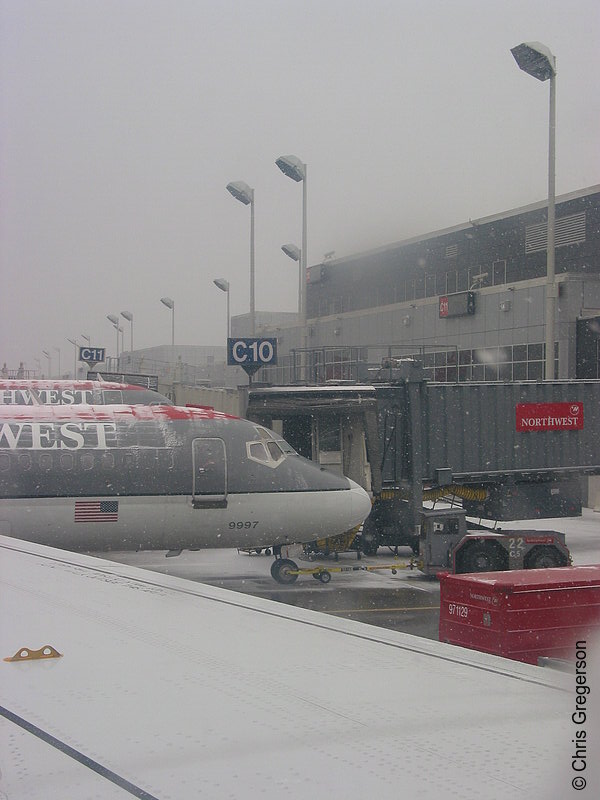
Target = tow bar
(286,571)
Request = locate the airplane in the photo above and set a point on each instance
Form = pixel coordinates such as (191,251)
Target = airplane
(121,477)
(69,392)
(117,683)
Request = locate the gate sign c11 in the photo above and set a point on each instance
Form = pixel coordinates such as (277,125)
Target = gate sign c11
(251,353)
(92,354)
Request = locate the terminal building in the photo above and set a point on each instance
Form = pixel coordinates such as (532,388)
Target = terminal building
(469,301)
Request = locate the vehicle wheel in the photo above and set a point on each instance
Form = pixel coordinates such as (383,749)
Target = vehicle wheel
(543,558)
(324,576)
(282,570)
(482,558)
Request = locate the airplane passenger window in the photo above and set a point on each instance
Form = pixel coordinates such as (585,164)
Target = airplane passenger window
(112,396)
(86,461)
(4,462)
(66,462)
(166,460)
(108,461)
(45,462)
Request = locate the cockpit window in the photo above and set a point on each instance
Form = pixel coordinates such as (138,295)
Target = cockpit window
(270,452)
(287,448)
(257,451)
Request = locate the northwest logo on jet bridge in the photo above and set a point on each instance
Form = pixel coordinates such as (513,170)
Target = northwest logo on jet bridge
(56,436)
(549,416)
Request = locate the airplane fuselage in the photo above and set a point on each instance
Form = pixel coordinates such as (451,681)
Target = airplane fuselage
(122,477)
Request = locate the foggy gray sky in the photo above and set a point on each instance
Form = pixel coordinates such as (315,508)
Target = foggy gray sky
(122,121)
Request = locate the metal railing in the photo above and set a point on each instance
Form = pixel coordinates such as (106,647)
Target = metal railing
(345,364)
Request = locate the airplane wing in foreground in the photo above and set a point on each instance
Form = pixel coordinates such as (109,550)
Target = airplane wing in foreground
(167,688)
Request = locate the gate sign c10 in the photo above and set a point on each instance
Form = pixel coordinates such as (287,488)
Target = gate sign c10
(251,353)
(92,354)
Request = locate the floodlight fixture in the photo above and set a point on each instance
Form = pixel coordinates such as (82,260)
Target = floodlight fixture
(241,191)
(535,59)
(292,167)
(292,251)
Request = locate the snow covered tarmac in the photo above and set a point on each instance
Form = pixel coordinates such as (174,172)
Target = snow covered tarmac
(407,601)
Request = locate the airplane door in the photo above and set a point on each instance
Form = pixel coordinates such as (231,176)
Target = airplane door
(209,473)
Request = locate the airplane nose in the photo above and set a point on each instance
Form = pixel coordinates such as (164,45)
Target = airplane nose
(360,504)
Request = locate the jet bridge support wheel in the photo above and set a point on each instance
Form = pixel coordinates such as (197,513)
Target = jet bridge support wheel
(282,570)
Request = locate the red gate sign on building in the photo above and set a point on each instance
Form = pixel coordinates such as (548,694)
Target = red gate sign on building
(549,416)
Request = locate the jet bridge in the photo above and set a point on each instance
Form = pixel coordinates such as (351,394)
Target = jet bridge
(406,438)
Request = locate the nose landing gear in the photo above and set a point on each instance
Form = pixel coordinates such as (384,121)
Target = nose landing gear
(284,571)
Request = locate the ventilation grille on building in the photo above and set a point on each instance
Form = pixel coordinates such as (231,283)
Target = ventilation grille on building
(569,230)
(452,251)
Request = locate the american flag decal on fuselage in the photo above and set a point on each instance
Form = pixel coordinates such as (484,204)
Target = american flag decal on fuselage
(96,510)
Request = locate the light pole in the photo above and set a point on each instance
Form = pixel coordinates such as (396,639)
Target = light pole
(115,321)
(49,357)
(537,60)
(76,349)
(58,351)
(242,192)
(223,285)
(129,317)
(296,255)
(296,170)
(87,339)
(166,301)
